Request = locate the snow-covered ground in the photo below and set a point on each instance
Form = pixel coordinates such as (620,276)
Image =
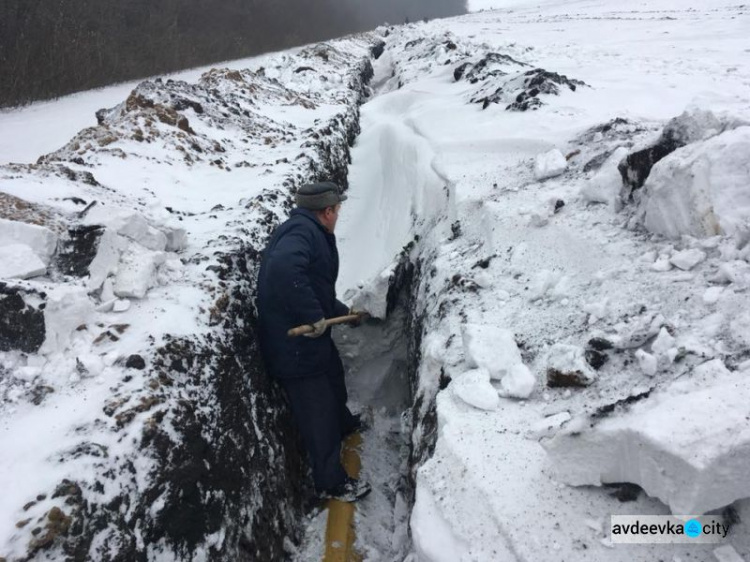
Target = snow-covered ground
(575,333)
(128,256)
(516,238)
(42,127)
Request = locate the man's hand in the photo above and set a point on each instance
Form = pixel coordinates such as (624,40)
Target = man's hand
(361,315)
(319,329)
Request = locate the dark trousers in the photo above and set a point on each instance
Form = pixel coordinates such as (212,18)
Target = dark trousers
(319,408)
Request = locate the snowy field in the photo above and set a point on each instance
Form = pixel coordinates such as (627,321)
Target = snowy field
(42,127)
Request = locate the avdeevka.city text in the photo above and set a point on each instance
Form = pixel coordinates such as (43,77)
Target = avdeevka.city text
(668,528)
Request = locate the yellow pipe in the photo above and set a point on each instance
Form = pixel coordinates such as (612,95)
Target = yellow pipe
(340,534)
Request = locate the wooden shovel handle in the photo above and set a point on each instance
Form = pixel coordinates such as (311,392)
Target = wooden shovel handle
(307,328)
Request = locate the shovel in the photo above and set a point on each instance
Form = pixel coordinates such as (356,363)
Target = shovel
(306,328)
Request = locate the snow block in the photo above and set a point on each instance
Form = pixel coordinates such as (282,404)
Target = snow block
(606,184)
(130,224)
(691,126)
(518,383)
(567,366)
(176,239)
(494,349)
(19,261)
(672,444)
(687,259)
(107,258)
(549,164)
(67,309)
(490,348)
(373,297)
(701,189)
(136,273)
(647,362)
(21,320)
(40,239)
(474,388)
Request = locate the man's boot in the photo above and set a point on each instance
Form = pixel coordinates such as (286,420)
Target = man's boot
(348,491)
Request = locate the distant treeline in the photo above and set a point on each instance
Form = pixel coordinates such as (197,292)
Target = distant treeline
(49,48)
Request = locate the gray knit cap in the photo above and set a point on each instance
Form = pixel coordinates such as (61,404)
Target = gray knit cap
(318,196)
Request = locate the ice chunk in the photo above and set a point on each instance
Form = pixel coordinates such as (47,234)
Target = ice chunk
(518,383)
(494,349)
(176,239)
(546,282)
(700,189)
(605,186)
(18,261)
(108,290)
(373,297)
(121,305)
(474,388)
(597,310)
(67,309)
(736,272)
(662,263)
(128,223)
(647,362)
(712,294)
(638,331)
(663,342)
(89,365)
(483,279)
(106,306)
(137,272)
(688,445)
(490,348)
(107,257)
(687,259)
(41,240)
(549,164)
(27,373)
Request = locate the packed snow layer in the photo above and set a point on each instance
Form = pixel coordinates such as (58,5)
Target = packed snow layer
(19,261)
(400,191)
(42,241)
(701,190)
(672,444)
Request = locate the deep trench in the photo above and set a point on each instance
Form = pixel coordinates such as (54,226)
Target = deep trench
(265,498)
(381,359)
(376,356)
(229,469)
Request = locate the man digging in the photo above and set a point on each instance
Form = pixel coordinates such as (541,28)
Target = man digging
(297,286)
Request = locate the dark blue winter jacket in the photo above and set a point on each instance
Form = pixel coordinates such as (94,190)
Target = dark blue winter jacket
(296,286)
